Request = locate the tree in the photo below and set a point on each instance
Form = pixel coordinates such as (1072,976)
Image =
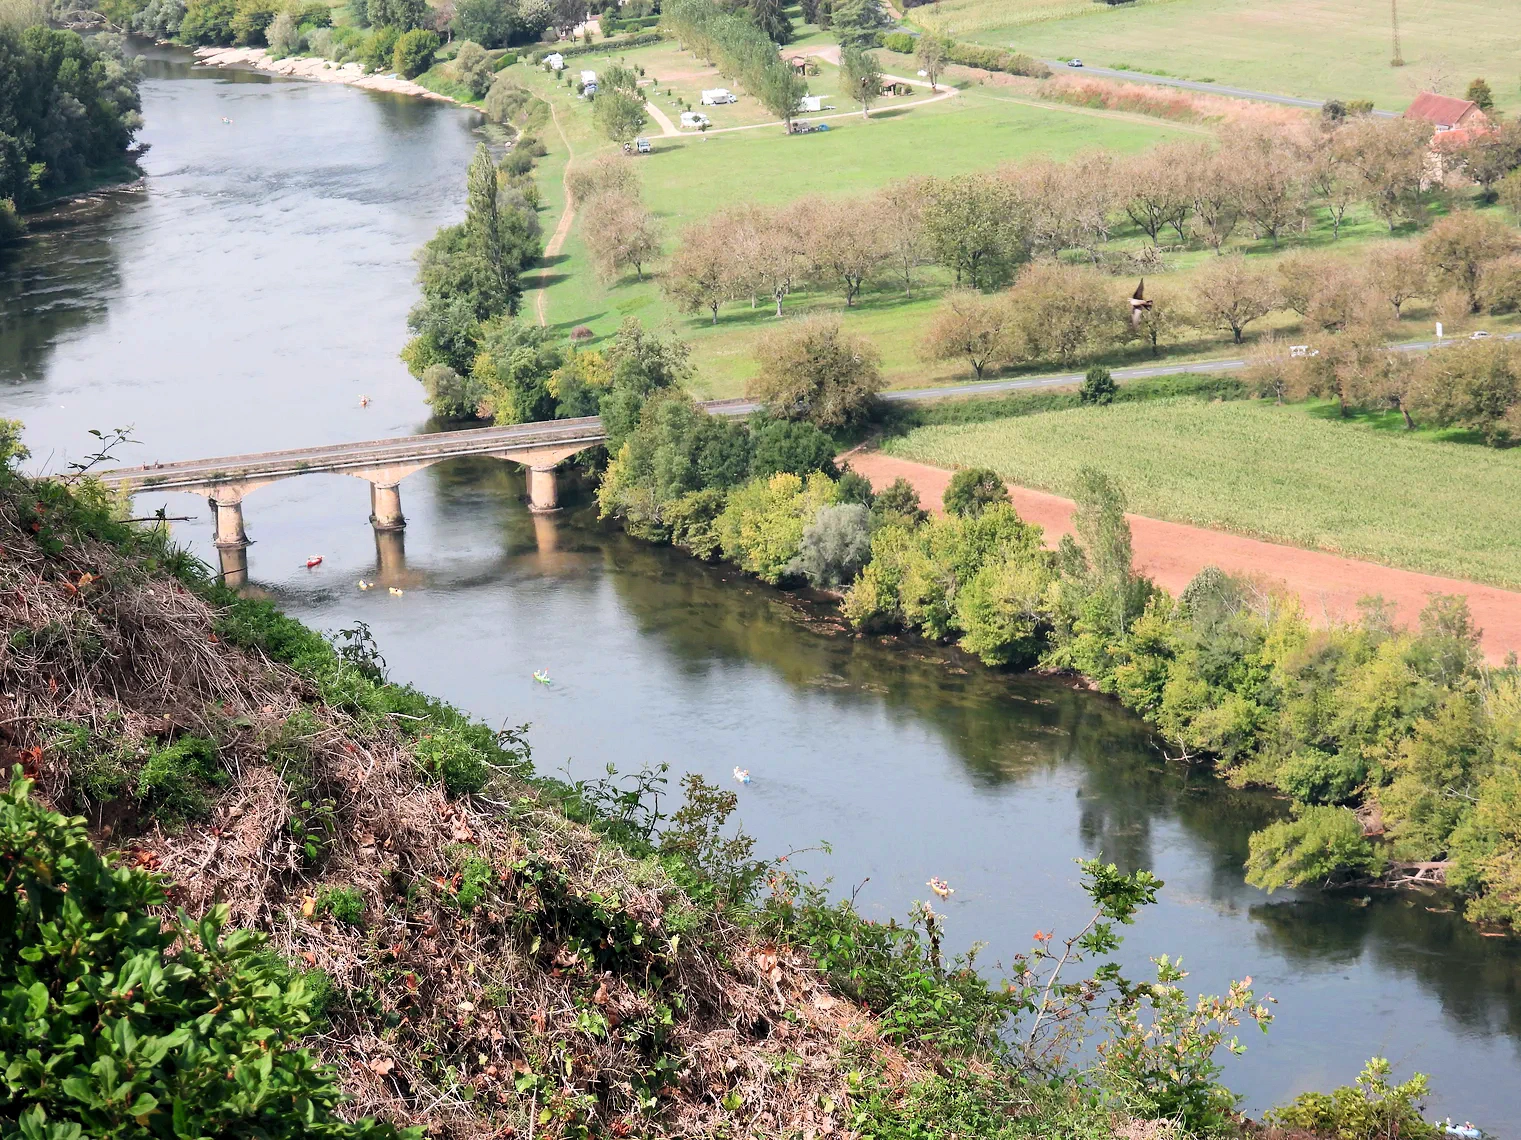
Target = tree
(1270,179)
(1157,188)
(1389,156)
(1216,199)
(414,52)
(619,232)
(1163,320)
(770,16)
(505,237)
(1509,193)
(856,22)
(282,36)
(1099,387)
(929,54)
(897,504)
(1488,156)
(620,115)
(972,490)
(781,91)
(860,77)
(788,446)
(1321,288)
(486,22)
(768,248)
(1396,273)
(702,273)
(836,544)
(1332,179)
(1480,95)
(601,176)
(972,326)
(1474,385)
(473,68)
(901,207)
(1061,311)
(1230,294)
(1459,246)
(811,369)
(973,226)
(848,242)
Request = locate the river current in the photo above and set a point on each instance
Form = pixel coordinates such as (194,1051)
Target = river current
(257,286)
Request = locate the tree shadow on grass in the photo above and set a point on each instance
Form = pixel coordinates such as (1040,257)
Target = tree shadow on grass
(545,280)
(1393,423)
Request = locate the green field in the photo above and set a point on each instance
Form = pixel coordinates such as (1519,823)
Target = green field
(1313,48)
(690,177)
(1291,474)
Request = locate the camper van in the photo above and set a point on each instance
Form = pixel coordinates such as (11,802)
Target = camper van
(554,61)
(588,83)
(694,120)
(810,103)
(718,95)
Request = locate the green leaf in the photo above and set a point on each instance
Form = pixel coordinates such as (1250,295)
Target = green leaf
(37,1001)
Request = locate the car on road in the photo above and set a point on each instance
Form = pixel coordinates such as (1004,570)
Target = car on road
(1074,63)
(696,120)
(1479,335)
(642,146)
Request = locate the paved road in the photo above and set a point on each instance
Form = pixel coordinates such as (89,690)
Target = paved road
(525,437)
(1195,85)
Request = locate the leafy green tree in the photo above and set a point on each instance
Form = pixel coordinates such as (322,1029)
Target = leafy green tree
(379,48)
(812,369)
(121,1024)
(929,54)
(975,228)
(282,35)
(898,502)
(789,445)
(853,487)
(973,490)
(208,21)
(620,115)
(251,19)
(414,52)
(513,369)
(1372,1109)
(761,528)
(472,66)
(836,544)
(489,23)
(68,108)
(780,90)
(770,16)
(1480,95)
(857,23)
(404,15)
(1319,845)
(1098,387)
(860,77)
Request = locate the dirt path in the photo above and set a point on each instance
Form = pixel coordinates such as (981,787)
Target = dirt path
(667,128)
(1172,553)
(562,230)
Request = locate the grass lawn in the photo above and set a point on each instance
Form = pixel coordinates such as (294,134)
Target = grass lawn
(1313,48)
(1292,474)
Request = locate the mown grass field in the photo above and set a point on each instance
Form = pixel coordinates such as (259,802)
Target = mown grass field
(1313,48)
(1291,474)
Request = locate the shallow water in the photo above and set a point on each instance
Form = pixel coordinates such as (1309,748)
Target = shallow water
(247,297)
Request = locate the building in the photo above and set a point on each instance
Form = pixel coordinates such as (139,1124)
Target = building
(1446,113)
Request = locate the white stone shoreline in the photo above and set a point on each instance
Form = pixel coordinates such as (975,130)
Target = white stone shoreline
(317,70)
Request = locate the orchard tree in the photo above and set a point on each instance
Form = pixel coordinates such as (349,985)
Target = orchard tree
(1060,312)
(971,326)
(1396,273)
(1216,199)
(1474,385)
(703,273)
(813,370)
(1230,294)
(1157,189)
(901,207)
(974,227)
(1458,248)
(848,243)
(1390,158)
(1271,181)
(1163,321)
(601,176)
(860,77)
(621,233)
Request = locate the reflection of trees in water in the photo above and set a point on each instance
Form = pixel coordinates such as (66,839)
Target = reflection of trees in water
(60,279)
(1476,979)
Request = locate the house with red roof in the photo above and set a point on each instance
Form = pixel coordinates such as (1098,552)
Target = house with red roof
(1446,113)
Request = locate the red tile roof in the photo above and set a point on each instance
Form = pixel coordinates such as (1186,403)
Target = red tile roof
(1443,110)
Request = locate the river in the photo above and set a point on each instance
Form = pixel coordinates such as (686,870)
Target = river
(257,287)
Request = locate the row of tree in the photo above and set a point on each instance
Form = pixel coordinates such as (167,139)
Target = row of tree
(69,109)
(741,50)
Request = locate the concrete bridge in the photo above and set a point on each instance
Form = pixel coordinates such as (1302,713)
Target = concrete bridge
(383,463)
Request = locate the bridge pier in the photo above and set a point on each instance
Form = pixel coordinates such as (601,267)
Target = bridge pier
(230,539)
(543,489)
(233,564)
(385,507)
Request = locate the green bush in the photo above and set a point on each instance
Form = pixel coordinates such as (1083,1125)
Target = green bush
(414,52)
(346,904)
(176,780)
(900,42)
(1372,1109)
(379,49)
(974,490)
(122,1025)
(1098,386)
(761,528)
(991,59)
(1320,845)
(12,228)
(448,756)
(794,446)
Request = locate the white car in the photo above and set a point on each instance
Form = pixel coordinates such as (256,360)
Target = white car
(1479,335)
(1074,63)
(718,96)
(695,119)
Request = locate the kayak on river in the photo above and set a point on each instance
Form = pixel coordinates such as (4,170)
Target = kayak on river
(541,677)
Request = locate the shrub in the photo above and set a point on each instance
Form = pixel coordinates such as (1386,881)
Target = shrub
(517,162)
(176,779)
(282,35)
(450,394)
(900,42)
(991,59)
(973,490)
(451,758)
(414,52)
(853,487)
(1320,845)
(786,446)
(761,528)
(1098,387)
(812,369)
(836,544)
(473,68)
(1372,1109)
(209,1040)
(897,502)
(346,904)
(379,49)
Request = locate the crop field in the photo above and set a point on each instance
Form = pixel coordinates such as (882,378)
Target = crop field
(1290,474)
(1312,48)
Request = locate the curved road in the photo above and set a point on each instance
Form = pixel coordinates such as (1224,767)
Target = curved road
(1196,85)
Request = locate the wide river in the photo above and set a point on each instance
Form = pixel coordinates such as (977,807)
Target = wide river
(258,286)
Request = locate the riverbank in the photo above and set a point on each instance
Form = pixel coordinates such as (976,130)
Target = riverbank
(316,69)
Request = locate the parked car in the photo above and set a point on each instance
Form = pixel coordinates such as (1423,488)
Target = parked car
(1074,63)
(1478,335)
(696,120)
(643,146)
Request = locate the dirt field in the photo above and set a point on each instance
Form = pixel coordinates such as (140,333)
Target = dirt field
(1172,553)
